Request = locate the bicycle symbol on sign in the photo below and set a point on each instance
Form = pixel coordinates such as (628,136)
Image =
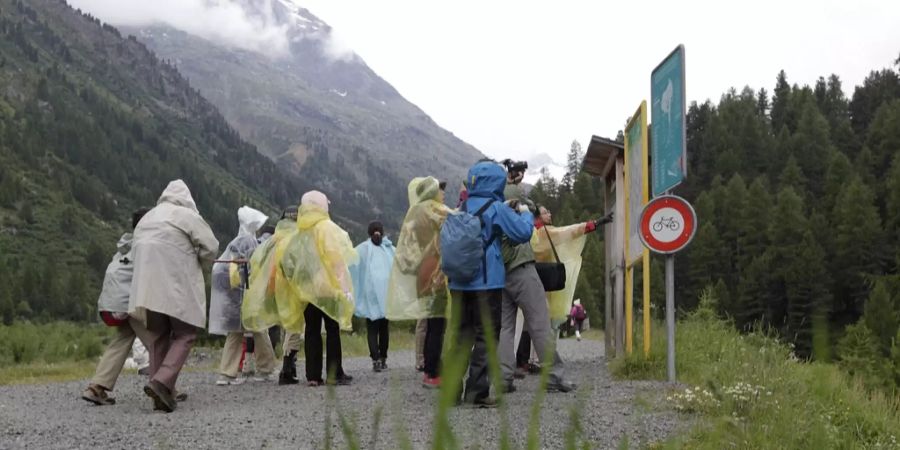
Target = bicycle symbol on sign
(669,223)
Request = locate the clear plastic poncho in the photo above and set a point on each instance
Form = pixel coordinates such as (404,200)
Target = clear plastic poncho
(418,288)
(315,263)
(269,300)
(569,242)
(370,278)
(228,278)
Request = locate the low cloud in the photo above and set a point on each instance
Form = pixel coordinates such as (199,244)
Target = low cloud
(221,21)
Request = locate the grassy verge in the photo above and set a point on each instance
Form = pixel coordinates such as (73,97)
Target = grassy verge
(63,351)
(751,392)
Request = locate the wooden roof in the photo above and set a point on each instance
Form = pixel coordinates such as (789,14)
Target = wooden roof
(600,156)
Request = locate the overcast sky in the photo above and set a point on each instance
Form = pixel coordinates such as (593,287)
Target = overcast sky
(520,77)
(515,77)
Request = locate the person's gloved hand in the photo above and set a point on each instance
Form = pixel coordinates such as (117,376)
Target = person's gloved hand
(604,220)
(522,207)
(349,296)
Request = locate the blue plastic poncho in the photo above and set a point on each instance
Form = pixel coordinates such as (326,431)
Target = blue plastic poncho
(370,278)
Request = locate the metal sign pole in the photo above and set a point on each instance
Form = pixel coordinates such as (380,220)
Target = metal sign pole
(670,316)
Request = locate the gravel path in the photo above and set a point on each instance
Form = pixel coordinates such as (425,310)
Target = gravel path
(264,415)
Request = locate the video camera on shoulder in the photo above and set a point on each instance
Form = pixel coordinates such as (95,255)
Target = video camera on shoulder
(515,166)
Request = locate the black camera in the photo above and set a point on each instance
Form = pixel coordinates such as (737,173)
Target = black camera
(515,166)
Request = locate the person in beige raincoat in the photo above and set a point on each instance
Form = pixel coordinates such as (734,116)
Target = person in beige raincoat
(168,295)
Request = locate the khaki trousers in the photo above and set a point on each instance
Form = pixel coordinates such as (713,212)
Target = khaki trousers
(231,354)
(292,342)
(113,359)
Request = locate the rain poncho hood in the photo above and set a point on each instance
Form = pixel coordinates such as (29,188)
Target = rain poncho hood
(315,263)
(569,242)
(170,243)
(370,278)
(485,182)
(226,296)
(418,288)
(269,300)
(117,281)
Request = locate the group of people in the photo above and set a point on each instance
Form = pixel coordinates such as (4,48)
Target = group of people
(305,272)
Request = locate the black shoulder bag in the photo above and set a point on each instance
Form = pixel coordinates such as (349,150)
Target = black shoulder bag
(552,274)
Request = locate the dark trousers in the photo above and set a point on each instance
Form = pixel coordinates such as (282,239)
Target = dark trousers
(312,345)
(170,345)
(470,339)
(434,341)
(523,353)
(378,335)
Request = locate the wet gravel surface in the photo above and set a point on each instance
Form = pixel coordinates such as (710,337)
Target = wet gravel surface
(265,415)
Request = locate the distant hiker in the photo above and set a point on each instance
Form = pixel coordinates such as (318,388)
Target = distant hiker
(524,292)
(168,293)
(477,294)
(417,288)
(230,276)
(315,263)
(577,316)
(370,283)
(113,307)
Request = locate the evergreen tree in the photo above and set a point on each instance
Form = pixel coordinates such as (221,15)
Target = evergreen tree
(786,234)
(573,165)
(811,146)
(792,176)
(858,352)
(807,296)
(858,241)
(781,102)
(882,317)
(762,104)
(878,88)
(884,137)
(839,171)
(705,255)
(754,289)
(892,215)
(754,239)
(733,228)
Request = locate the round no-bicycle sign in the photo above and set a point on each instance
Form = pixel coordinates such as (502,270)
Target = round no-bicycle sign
(668,224)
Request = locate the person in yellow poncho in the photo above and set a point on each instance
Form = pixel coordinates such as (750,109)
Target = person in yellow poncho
(569,242)
(269,301)
(418,289)
(315,263)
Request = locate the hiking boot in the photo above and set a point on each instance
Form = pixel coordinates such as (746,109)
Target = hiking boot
(484,402)
(340,380)
(315,383)
(180,396)
(534,368)
(520,372)
(384,364)
(162,398)
(508,387)
(376,365)
(431,382)
(144,371)
(561,386)
(288,373)
(96,394)
(225,380)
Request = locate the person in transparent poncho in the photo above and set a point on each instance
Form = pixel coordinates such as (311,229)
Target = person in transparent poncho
(370,284)
(418,289)
(229,278)
(315,263)
(269,301)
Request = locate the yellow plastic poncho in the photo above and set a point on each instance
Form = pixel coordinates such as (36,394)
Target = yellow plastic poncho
(569,242)
(417,288)
(269,300)
(315,264)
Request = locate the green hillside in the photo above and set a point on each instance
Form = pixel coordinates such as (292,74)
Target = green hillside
(92,126)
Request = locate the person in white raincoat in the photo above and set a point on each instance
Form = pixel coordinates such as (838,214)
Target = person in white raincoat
(168,295)
(229,278)
(370,283)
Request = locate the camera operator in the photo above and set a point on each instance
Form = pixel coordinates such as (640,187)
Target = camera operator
(524,290)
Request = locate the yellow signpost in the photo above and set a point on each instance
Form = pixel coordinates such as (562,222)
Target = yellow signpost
(637,192)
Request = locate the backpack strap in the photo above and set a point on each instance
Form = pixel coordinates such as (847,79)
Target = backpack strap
(490,240)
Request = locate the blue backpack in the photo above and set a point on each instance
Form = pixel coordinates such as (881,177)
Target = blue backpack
(462,249)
